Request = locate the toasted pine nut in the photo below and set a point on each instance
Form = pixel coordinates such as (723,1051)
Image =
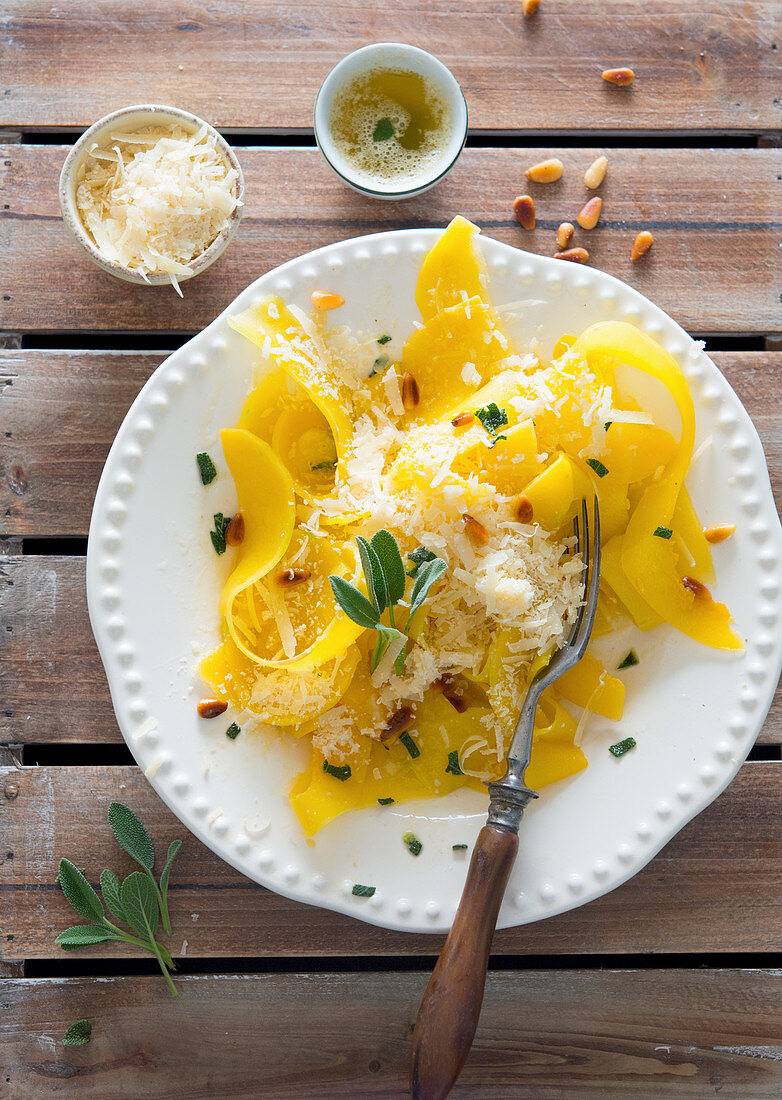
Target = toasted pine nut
(641,245)
(326,299)
(462,419)
(211,708)
(399,722)
(565,234)
(694,586)
(524,209)
(589,213)
(522,509)
(718,532)
(577,255)
(548,171)
(293,575)
(475,530)
(622,77)
(529,7)
(410,394)
(595,173)
(457,701)
(234,532)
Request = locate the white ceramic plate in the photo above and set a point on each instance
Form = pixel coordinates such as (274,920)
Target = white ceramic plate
(153,582)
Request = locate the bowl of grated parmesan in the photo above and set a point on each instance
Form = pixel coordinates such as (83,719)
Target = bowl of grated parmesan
(153,194)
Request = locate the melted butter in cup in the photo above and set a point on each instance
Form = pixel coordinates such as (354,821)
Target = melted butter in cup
(391,120)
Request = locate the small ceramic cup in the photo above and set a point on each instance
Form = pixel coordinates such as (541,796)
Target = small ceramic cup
(391,55)
(129,118)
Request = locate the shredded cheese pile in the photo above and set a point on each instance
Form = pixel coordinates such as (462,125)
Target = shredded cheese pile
(156,198)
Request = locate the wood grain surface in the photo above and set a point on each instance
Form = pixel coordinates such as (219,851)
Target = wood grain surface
(716,886)
(700,64)
(544,1035)
(61,410)
(714,214)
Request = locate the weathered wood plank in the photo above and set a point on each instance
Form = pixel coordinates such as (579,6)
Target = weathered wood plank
(711,211)
(48,655)
(61,411)
(257,63)
(547,1035)
(716,887)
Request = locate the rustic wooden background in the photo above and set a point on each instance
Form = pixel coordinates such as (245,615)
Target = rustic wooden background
(670,986)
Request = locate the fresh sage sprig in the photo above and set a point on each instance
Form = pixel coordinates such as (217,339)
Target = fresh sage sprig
(385,578)
(138,902)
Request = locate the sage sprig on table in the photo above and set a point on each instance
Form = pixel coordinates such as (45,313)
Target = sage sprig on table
(139,902)
(385,578)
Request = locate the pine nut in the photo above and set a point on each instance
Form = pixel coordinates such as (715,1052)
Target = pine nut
(524,209)
(718,532)
(577,255)
(462,419)
(589,213)
(695,587)
(529,7)
(458,702)
(399,722)
(211,708)
(475,530)
(622,77)
(548,171)
(522,509)
(326,299)
(410,394)
(595,173)
(293,576)
(641,245)
(234,532)
(565,234)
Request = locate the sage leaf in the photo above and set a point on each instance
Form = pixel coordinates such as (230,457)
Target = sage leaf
(173,848)
(354,603)
(131,835)
(385,635)
(78,1034)
(373,574)
(78,892)
(384,545)
(430,572)
(139,900)
(85,935)
(110,887)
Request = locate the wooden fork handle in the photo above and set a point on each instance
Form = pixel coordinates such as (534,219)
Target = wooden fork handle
(449,1011)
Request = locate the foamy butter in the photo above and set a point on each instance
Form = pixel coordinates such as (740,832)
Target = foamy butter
(391,120)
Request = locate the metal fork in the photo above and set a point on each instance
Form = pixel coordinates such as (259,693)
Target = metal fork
(451,1005)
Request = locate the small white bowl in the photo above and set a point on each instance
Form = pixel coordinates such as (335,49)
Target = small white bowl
(390,55)
(129,118)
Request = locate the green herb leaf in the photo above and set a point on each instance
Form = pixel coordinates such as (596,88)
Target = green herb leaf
(78,1034)
(139,900)
(459,847)
(409,744)
(233,731)
(419,557)
(131,835)
(384,339)
(597,466)
(621,747)
(630,660)
(430,572)
(386,801)
(354,603)
(383,130)
(496,440)
(492,417)
(206,468)
(332,465)
(607,425)
(110,887)
(78,892)
(360,891)
(412,843)
(373,575)
(384,545)
(173,848)
(453,763)
(662,532)
(218,535)
(341,773)
(385,634)
(85,935)
(379,365)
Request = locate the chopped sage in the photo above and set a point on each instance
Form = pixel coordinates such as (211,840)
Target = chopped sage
(409,744)
(218,535)
(459,847)
(412,843)
(233,731)
(341,773)
(607,425)
(630,660)
(492,417)
(420,556)
(379,365)
(386,339)
(662,532)
(383,130)
(206,468)
(360,891)
(331,465)
(597,466)
(386,801)
(453,763)
(621,747)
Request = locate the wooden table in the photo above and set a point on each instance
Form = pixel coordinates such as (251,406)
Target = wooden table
(669,986)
